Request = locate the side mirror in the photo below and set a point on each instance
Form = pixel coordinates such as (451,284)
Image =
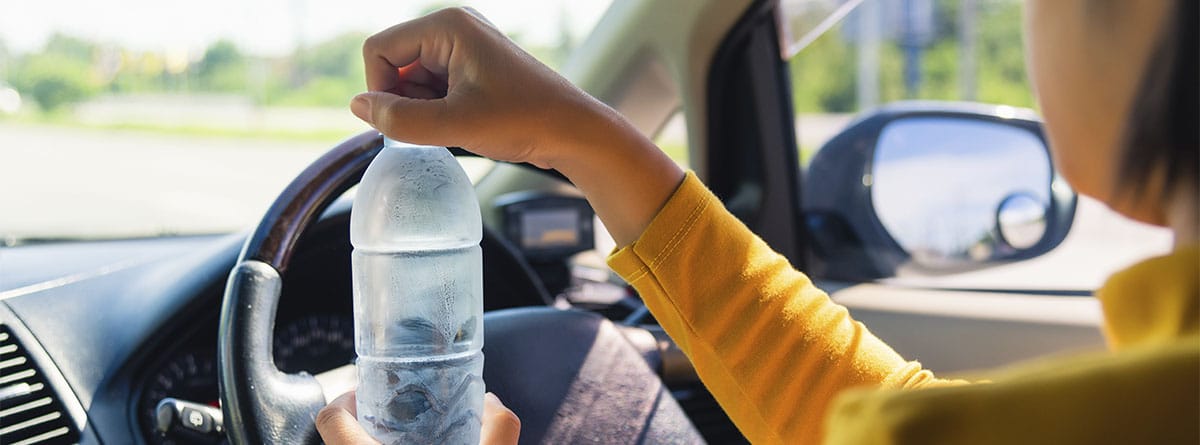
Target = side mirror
(939,187)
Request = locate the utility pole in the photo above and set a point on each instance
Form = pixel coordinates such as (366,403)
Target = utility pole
(967,38)
(870,32)
(917,33)
(912,51)
(300,74)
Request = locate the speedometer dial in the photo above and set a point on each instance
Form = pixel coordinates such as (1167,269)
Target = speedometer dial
(315,343)
(190,376)
(312,343)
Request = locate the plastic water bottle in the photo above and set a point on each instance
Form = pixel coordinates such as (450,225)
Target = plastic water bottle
(418,298)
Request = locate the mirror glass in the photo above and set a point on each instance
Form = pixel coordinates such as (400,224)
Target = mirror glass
(945,188)
(1021,221)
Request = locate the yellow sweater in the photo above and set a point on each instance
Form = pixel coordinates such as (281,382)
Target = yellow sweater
(781,358)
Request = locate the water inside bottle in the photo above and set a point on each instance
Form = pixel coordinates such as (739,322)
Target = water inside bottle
(422,400)
(418,299)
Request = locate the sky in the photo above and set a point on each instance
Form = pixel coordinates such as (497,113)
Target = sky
(261,27)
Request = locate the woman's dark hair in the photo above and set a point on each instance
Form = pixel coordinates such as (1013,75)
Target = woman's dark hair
(1163,130)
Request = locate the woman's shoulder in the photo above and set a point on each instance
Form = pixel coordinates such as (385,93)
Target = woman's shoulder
(1154,301)
(1148,394)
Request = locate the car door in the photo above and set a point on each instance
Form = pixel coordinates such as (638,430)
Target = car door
(926,65)
(756,88)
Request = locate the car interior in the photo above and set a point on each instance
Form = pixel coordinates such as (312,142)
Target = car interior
(241,337)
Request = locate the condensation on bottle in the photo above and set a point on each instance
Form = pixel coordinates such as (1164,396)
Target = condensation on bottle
(418,298)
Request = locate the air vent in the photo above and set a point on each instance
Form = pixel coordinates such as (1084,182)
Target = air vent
(30,412)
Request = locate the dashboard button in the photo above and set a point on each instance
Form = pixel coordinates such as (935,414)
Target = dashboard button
(197,421)
(174,415)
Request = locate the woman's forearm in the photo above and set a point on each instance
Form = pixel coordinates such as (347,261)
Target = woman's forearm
(624,176)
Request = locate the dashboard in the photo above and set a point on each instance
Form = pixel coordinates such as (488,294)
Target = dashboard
(102,320)
(116,327)
(125,324)
(129,323)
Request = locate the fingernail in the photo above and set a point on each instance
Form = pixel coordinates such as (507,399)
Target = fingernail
(361,107)
(491,398)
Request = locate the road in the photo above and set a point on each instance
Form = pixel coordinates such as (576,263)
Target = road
(57,181)
(80,182)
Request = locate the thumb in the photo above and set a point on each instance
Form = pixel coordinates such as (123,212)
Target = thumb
(500,425)
(337,424)
(416,121)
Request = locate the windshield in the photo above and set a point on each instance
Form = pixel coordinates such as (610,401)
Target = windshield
(133,118)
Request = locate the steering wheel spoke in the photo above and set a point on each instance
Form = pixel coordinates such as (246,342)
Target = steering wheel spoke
(261,403)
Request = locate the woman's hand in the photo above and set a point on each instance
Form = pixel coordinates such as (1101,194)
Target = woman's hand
(450,78)
(338,423)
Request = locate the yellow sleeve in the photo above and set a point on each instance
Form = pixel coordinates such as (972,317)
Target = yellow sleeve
(1149,395)
(772,348)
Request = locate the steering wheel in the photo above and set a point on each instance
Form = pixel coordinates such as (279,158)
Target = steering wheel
(585,381)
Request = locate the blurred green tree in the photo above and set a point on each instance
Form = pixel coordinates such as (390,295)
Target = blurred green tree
(1002,76)
(70,47)
(53,80)
(434,6)
(222,68)
(340,56)
(140,72)
(945,18)
(57,77)
(823,76)
(328,73)
(939,68)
